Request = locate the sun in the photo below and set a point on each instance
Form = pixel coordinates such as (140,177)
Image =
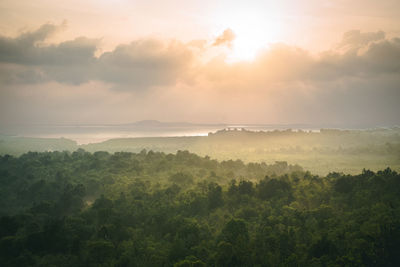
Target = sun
(254,28)
(247,43)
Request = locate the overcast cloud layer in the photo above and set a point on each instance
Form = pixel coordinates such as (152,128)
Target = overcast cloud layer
(357,82)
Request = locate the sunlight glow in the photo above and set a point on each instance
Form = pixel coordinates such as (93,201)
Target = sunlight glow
(254,29)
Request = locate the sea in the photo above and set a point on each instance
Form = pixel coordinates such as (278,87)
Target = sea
(85,134)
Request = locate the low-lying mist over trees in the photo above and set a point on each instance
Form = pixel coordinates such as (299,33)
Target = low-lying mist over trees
(199,133)
(321,152)
(157,209)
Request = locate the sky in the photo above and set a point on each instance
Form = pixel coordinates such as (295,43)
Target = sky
(268,62)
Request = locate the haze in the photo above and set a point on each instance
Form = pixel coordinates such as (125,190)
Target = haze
(312,62)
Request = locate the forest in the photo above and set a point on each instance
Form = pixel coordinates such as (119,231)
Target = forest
(183,133)
(322,152)
(151,208)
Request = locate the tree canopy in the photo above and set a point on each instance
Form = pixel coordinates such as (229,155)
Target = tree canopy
(157,209)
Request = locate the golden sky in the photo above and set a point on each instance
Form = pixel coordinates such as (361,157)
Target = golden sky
(331,62)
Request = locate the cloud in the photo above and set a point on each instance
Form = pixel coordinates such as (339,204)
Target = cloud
(383,57)
(357,39)
(140,64)
(147,63)
(27,59)
(44,31)
(144,63)
(282,63)
(226,38)
(24,49)
(356,82)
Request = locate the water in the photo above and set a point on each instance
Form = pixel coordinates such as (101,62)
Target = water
(85,134)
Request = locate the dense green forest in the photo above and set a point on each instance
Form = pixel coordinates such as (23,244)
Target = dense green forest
(157,209)
(327,150)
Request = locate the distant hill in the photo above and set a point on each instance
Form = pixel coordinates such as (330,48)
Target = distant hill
(159,124)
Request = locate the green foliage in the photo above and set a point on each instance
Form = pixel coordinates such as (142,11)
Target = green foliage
(320,152)
(156,209)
